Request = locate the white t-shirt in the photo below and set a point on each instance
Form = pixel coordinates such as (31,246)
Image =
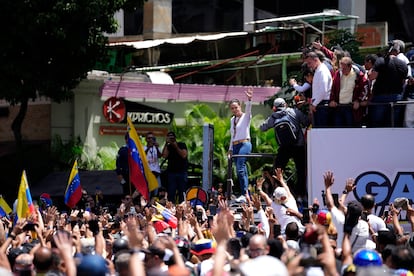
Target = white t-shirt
(338,219)
(359,236)
(376,223)
(152,157)
(284,219)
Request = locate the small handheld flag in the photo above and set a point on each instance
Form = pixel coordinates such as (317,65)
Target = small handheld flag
(25,205)
(73,191)
(4,207)
(139,172)
(158,223)
(167,216)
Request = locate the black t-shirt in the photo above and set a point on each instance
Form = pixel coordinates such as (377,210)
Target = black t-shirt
(122,162)
(391,73)
(175,162)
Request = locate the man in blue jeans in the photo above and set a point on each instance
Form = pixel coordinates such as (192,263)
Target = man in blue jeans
(177,155)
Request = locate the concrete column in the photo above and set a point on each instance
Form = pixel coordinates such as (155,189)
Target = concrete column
(352,7)
(248,15)
(157,19)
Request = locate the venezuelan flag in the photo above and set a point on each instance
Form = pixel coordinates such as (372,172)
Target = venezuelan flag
(139,172)
(5,209)
(73,191)
(159,223)
(167,216)
(25,205)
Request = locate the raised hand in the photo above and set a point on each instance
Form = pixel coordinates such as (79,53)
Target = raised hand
(329,179)
(249,93)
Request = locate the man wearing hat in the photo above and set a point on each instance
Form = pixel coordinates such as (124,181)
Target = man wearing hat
(283,204)
(296,150)
(204,250)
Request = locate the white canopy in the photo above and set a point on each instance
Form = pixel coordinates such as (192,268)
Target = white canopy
(176,40)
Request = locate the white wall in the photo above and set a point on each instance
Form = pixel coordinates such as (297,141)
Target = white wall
(380,160)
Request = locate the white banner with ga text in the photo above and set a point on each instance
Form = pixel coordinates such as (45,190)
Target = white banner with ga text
(381,160)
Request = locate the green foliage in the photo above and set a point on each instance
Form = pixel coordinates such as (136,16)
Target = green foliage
(348,42)
(63,154)
(105,158)
(192,134)
(49,46)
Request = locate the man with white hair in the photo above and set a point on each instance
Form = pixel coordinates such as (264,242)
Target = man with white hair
(397,49)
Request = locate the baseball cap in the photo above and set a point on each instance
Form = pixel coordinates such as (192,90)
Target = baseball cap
(280,194)
(324,217)
(367,257)
(203,246)
(120,244)
(279,103)
(92,265)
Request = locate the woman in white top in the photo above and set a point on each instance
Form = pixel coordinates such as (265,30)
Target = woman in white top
(240,137)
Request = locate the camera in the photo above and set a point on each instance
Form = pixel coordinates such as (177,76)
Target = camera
(199,215)
(276,230)
(306,216)
(105,233)
(315,208)
(29,227)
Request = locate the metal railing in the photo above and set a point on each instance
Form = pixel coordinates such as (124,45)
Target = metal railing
(391,105)
(230,168)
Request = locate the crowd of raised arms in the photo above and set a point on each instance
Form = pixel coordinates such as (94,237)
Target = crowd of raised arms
(267,234)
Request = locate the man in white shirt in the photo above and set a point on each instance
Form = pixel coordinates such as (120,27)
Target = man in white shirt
(153,154)
(321,89)
(375,222)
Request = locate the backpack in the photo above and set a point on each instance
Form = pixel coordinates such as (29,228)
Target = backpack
(285,131)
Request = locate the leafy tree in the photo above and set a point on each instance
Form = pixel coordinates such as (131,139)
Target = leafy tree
(347,41)
(47,47)
(63,154)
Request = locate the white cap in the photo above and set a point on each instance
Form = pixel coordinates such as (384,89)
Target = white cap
(279,103)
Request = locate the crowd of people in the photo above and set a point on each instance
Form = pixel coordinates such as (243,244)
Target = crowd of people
(342,93)
(266,232)
(265,235)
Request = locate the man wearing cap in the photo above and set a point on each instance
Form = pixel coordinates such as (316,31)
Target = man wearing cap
(155,259)
(284,204)
(297,150)
(204,250)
